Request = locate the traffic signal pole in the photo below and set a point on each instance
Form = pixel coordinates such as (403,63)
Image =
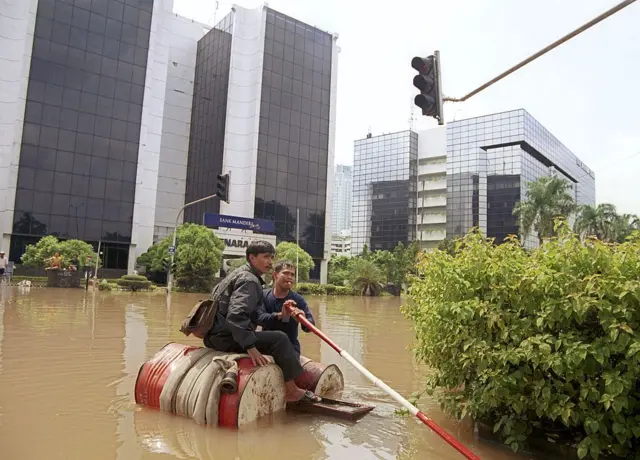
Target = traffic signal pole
(222,192)
(543,51)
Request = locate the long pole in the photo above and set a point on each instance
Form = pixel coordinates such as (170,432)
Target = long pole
(175,236)
(390,391)
(98,259)
(297,240)
(535,56)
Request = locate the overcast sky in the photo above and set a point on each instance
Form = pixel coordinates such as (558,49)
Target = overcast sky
(586,92)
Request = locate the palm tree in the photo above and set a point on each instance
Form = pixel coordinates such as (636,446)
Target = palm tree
(600,221)
(624,225)
(367,277)
(548,198)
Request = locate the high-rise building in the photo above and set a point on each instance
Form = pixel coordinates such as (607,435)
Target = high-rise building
(264,110)
(490,160)
(342,199)
(384,191)
(114,112)
(83,85)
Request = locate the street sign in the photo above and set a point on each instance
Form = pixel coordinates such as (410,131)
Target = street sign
(242,223)
(172,250)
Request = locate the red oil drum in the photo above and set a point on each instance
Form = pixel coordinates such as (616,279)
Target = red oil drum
(154,373)
(186,380)
(323,380)
(260,392)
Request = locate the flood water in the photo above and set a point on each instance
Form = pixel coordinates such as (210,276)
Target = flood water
(69,360)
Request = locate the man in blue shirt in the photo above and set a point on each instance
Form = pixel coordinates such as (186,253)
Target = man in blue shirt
(280,303)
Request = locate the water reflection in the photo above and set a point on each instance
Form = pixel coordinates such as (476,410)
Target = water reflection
(69,360)
(135,352)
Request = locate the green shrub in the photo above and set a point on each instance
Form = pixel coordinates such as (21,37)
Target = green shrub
(323,289)
(310,289)
(134,282)
(104,285)
(342,290)
(547,340)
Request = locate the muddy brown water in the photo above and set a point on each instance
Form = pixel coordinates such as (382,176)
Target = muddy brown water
(69,360)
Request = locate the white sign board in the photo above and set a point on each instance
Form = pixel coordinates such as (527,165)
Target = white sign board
(237,241)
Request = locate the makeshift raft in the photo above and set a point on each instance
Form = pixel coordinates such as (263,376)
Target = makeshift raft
(223,389)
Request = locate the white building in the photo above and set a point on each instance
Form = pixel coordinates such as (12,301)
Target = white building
(341,244)
(342,198)
(432,187)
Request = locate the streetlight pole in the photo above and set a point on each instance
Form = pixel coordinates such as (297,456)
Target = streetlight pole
(297,240)
(98,259)
(175,236)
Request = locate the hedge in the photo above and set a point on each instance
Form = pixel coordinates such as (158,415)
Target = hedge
(134,282)
(541,342)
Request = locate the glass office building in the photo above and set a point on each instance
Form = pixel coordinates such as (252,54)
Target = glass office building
(384,191)
(208,115)
(491,159)
(269,120)
(80,143)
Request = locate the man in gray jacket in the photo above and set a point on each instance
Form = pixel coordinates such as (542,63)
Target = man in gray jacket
(240,303)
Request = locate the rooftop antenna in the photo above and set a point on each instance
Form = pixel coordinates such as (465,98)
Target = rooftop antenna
(215,13)
(369,132)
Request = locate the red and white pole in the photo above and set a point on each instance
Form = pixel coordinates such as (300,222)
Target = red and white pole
(390,391)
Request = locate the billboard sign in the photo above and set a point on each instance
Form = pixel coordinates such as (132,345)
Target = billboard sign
(242,223)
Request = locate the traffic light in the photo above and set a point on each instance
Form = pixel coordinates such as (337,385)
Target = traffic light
(428,81)
(166,264)
(222,187)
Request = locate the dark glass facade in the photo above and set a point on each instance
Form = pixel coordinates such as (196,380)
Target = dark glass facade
(463,198)
(384,191)
(390,214)
(208,116)
(293,142)
(503,192)
(79,152)
(491,159)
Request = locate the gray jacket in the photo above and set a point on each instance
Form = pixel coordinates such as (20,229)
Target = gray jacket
(241,300)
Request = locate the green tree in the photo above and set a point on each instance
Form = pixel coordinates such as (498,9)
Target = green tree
(449,246)
(197,260)
(604,223)
(625,225)
(340,268)
(287,251)
(547,199)
(546,340)
(403,263)
(384,261)
(367,278)
(599,221)
(35,255)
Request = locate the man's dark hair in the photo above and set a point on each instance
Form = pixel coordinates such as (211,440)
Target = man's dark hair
(282,264)
(260,247)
